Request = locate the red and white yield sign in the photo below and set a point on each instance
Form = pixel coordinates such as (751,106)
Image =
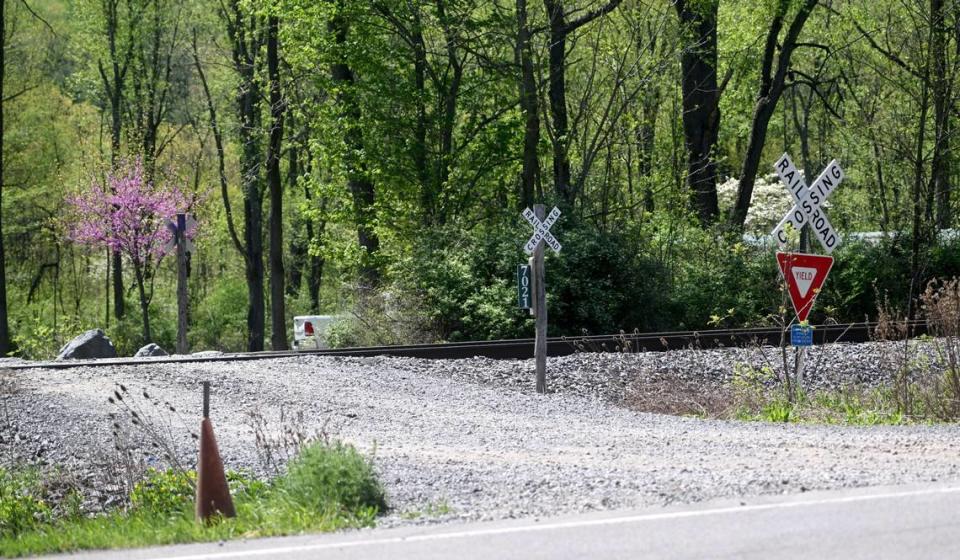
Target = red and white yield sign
(805,275)
(541,231)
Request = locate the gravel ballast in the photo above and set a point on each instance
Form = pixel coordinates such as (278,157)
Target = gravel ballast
(470,439)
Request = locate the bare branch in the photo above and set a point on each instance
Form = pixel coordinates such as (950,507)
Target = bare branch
(590,16)
(218,139)
(38,17)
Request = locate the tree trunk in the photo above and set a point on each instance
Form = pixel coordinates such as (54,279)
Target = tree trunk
(114,91)
(802,125)
(701,104)
(529,107)
(249,109)
(253,218)
(144,303)
(4,323)
(428,197)
(560,29)
(316,262)
(771,88)
(917,234)
(115,130)
(558,101)
(646,143)
(246,38)
(451,97)
(278,319)
(299,246)
(940,166)
(358,180)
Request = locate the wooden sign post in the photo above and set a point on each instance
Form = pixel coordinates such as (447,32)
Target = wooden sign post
(535,245)
(807,213)
(183,245)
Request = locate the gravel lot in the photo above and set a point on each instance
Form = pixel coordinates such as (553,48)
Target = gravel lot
(469,439)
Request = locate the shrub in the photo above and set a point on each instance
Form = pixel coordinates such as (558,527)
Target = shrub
(603,282)
(464,280)
(219,320)
(720,281)
(165,492)
(325,476)
(22,506)
(600,282)
(394,316)
(941,306)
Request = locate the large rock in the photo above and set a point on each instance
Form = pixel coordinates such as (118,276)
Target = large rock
(150,350)
(89,345)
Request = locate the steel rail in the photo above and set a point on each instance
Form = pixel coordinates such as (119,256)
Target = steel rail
(522,348)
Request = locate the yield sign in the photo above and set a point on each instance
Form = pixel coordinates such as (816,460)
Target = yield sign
(805,275)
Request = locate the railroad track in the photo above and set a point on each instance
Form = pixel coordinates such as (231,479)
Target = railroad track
(523,348)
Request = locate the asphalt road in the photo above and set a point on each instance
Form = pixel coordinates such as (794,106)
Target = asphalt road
(877,523)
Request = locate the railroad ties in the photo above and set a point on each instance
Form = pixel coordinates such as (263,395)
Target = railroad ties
(523,348)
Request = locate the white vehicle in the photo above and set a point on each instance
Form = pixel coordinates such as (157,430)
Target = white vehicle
(309,331)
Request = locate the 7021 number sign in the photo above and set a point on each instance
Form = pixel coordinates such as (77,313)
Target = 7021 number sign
(524,293)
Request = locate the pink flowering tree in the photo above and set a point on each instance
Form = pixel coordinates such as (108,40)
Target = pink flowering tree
(129,214)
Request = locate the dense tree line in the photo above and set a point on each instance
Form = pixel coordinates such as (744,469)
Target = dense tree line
(375,156)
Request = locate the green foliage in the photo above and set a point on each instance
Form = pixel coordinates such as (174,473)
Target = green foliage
(22,505)
(718,276)
(334,476)
(329,486)
(430,510)
(167,492)
(863,271)
(220,318)
(604,282)
(778,410)
(430,118)
(466,281)
(35,341)
(759,396)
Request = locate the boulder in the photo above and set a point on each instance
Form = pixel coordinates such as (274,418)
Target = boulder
(150,350)
(89,345)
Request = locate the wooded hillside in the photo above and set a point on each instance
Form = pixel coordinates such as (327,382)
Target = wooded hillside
(372,159)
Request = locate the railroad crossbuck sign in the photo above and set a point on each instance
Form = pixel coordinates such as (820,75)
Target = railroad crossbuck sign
(805,275)
(807,202)
(541,231)
(179,227)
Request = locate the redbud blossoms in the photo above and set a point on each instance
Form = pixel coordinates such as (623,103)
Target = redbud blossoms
(127,214)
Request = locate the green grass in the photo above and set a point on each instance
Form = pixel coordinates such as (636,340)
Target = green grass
(328,487)
(850,407)
(430,510)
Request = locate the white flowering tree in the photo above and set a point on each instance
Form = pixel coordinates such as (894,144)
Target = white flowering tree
(769,205)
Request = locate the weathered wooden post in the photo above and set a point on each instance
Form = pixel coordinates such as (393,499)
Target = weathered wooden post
(183,245)
(805,273)
(183,300)
(535,245)
(540,297)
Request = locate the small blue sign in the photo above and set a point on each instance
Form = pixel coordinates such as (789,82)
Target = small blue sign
(801,335)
